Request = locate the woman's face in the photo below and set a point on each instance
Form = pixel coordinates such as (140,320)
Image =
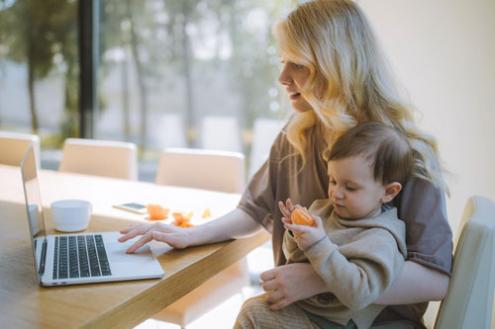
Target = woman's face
(293,77)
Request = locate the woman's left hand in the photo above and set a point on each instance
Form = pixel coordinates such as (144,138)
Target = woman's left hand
(290,283)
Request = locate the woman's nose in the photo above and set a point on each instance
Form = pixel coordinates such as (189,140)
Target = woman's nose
(284,78)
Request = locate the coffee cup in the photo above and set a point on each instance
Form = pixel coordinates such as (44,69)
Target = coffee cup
(71,215)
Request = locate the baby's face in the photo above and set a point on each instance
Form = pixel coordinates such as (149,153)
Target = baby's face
(352,189)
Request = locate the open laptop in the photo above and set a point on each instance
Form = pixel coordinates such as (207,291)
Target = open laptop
(68,259)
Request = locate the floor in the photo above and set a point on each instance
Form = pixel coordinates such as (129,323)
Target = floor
(224,315)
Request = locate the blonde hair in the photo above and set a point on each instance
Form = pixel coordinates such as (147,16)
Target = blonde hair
(349,81)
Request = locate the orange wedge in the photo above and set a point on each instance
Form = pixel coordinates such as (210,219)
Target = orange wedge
(206,213)
(301,217)
(157,212)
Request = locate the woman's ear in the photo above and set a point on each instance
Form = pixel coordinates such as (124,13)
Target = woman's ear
(391,191)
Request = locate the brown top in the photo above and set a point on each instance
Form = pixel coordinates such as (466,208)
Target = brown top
(421,206)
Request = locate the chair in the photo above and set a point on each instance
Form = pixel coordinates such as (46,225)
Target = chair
(206,169)
(13,146)
(99,158)
(469,299)
(214,170)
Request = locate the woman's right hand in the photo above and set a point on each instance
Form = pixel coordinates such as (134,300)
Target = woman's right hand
(290,283)
(174,236)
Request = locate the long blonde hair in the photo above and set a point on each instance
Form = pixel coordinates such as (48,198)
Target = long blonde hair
(349,80)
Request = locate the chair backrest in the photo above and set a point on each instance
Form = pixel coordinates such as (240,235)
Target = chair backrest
(13,147)
(206,169)
(469,300)
(99,158)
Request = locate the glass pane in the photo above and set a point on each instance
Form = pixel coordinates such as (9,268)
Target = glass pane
(187,73)
(39,68)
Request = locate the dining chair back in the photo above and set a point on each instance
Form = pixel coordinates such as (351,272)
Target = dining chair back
(13,147)
(205,169)
(99,158)
(212,170)
(469,300)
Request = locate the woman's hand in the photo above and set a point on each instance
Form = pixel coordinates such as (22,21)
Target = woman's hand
(176,237)
(290,283)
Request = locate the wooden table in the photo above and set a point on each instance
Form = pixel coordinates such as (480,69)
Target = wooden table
(23,304)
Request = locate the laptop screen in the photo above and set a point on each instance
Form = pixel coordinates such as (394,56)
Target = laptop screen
(34,209)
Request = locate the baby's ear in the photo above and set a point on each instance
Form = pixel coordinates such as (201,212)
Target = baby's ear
(391,191)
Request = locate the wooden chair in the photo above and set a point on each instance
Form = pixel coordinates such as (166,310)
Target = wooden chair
(13,146)
(213,170)
(99,158)
(206,169)
(469,300)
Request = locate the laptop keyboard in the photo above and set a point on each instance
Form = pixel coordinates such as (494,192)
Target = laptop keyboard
(80,256)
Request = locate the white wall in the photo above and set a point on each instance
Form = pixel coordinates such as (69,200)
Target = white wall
(443,53)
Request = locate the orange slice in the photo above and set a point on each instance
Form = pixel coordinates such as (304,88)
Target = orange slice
(157,212)
(301,217)
(206,213)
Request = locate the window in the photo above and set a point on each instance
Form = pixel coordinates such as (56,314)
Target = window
(187,73)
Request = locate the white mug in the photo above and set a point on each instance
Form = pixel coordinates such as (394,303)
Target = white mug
(71,215)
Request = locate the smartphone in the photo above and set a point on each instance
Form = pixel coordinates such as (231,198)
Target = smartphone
(134,207)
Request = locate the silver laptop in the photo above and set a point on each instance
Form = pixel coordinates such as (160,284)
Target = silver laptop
(68,259)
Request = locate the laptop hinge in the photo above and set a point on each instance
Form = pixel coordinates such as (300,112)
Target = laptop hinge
(43,257)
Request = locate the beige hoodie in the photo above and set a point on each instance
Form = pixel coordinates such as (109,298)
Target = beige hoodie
(358,261)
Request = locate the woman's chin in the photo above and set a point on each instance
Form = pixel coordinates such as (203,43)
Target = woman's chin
(301,108)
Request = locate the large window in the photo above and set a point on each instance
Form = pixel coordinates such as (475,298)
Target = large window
(39,68)
(173,69)
(187,73)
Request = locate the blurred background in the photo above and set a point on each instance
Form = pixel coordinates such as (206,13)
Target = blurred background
(203,74)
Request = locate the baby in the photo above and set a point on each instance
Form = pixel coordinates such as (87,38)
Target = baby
(354,240)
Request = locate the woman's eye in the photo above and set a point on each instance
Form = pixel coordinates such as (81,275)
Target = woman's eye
(332,182)
(297,66)
(350,188)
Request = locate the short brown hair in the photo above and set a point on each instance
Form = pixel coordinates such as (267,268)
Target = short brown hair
(386,148)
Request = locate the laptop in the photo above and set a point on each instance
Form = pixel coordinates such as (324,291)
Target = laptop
(68,259)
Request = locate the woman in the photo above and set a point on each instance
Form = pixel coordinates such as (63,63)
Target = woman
(335,77)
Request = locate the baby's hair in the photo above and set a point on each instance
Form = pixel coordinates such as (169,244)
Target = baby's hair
(387,149)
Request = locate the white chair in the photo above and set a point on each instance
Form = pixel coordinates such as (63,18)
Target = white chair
(99,158)
(264,133)
(13,146)
(205,169)
(220,133)
(213,170)
(469,299)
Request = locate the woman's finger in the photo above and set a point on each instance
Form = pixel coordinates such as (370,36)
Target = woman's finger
(269,285)
(279,305)
(269,275)
(274,297)
(134,231)
(147,237)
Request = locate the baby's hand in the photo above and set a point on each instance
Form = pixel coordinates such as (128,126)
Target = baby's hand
(286,210)
(305,235)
